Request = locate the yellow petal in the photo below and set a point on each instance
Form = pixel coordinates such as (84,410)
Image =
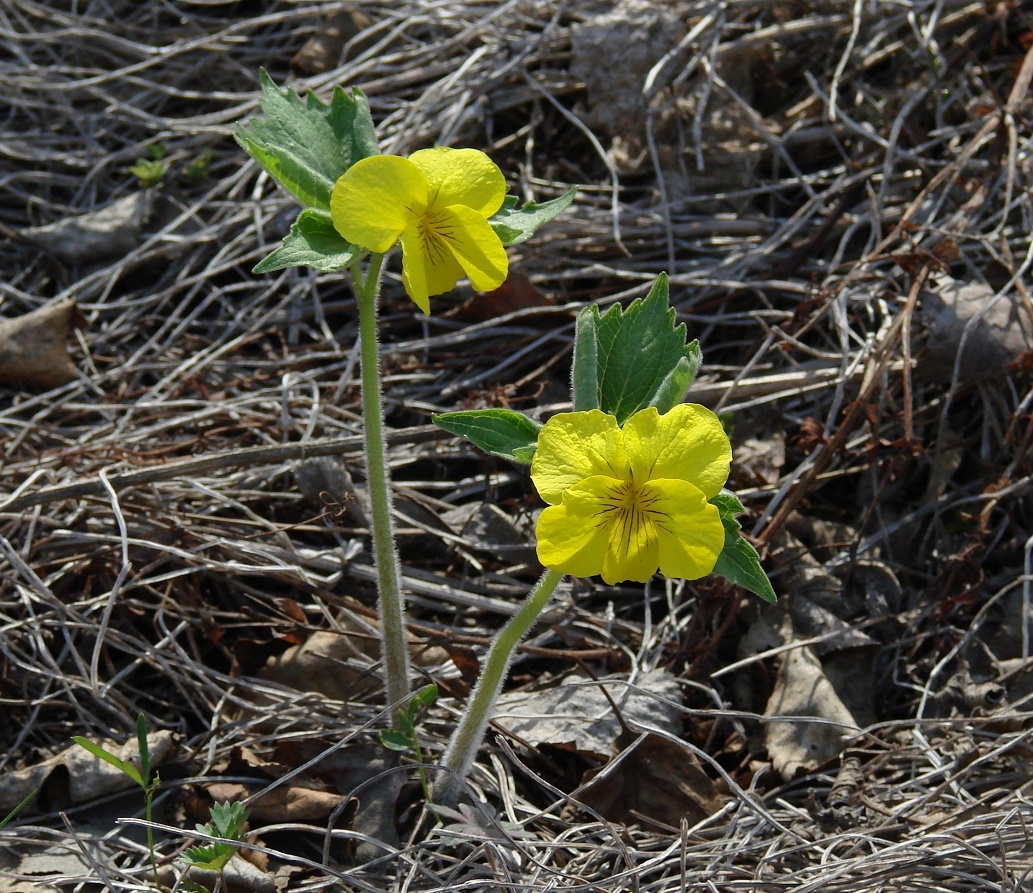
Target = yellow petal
(570,539)
(687,444)
(475,246)
(462,177)
(375,199)
(691,535)
(428,265)
(573,446)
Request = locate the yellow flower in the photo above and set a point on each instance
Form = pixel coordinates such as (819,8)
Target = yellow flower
(437,201)
(626,501)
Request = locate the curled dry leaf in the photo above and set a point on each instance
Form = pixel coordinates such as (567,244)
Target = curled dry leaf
(654,780)
(803,690)
(973,328)
(576,715)
(34,347)
(110,232)
(76,776)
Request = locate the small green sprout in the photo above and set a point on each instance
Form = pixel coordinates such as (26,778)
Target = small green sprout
(228,821)
(151,171)
(404,739)
(142,776)
(197,168)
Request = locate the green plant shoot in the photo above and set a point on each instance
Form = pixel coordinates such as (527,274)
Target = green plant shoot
(143,776)
(404,737)
(228,822)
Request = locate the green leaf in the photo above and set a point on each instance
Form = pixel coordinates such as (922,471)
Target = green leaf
(228,820)
(392,739)
(145,752)
(729,506)
(671,391)
(306,144)
(584,371)
(19,807)
(312,241)
(738,561)
(513,226)
(425,697)
(127,768)
(501,432)
(626,360)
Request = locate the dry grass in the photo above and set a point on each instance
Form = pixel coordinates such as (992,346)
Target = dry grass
(800,170)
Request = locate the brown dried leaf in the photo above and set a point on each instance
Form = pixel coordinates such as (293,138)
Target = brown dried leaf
(655,780)
(34,347)
(108,232)
(803,690)
(576,715)
(76,776)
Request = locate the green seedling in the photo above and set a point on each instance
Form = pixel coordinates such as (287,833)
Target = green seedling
(228,821)
(197,168)
(151,171)
(404,738)
(148,782)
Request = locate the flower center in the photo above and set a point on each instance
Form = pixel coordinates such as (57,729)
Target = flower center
(630,513)
(435,230)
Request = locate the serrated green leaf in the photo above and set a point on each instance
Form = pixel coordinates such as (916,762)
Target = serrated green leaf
(209,857)
(125,767)
(513,226)
(307,144)
(738,561)
(640,356)
(229,819)
(501,432)
(313,242)
(393,739)
(728,505)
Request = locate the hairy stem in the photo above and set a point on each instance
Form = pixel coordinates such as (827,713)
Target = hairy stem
(393,643)
(468,735)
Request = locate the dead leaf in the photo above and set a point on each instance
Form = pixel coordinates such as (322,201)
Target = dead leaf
(335,664)
(487,528)
(654,780)
(970,325)
(34,347)
(576,715)
(285,803)
(803,690)
(109,232)
(339,664)
(77,776)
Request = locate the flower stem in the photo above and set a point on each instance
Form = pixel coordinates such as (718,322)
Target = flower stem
(393,643)
(468,735)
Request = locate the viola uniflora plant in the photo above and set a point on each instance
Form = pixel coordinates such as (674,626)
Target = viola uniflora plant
(447,207)
(633,478)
